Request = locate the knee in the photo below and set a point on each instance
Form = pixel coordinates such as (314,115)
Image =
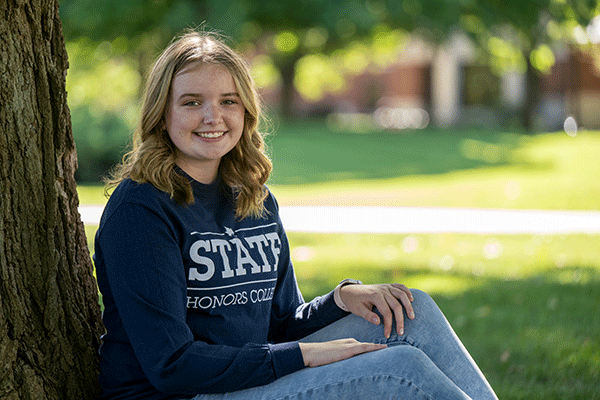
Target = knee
(421,297)
(425,307)
(413,361)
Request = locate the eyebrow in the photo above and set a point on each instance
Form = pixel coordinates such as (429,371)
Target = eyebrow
(232,94)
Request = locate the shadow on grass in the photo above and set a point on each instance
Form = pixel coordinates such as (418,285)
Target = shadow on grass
(310,153)
(534,338)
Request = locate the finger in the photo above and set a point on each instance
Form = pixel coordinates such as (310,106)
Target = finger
(368,314)
(404,298)
(368,347)
(383,307)
(361,348)
(352,347)
(396,307)
(404,289)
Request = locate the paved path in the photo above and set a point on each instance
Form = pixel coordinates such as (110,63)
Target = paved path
(422,220)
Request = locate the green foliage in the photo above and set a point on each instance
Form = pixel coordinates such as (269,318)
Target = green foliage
(314,38)
(111,19)
(102,75)
(511,34)
(101,138)
(102,85)
(318,74)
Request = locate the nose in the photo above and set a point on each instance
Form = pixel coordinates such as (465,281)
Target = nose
(212,114)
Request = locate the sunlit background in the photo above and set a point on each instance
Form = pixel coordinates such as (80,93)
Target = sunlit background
(410,112)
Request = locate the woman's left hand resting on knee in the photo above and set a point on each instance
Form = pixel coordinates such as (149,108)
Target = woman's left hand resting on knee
(390,300)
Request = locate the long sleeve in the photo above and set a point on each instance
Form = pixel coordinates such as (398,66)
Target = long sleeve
(150,330)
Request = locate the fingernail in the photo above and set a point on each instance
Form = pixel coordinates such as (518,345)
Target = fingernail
(412,314)
(401,331)
(375,320)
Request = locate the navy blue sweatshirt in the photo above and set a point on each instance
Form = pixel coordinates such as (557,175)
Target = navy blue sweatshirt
(196,300)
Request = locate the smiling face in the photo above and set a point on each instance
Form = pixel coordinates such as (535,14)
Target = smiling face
(204,118)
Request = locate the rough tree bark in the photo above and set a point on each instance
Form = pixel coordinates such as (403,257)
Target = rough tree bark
(49,313)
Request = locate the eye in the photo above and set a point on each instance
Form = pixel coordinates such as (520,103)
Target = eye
(191,103)
(229,102)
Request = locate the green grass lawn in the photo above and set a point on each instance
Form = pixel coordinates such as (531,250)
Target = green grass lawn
(526,306)
(483,169)
(437,168)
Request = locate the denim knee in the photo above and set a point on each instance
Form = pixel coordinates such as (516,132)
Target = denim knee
(421,296)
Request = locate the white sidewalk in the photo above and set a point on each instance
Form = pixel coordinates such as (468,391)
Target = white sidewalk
(422,220)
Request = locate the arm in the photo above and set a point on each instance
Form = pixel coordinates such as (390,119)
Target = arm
(292,318)
(140,265)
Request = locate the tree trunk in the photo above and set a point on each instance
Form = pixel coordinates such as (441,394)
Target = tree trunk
(287,68)
(532,97)
(49,312)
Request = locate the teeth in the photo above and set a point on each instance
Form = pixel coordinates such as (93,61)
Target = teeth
(210,135)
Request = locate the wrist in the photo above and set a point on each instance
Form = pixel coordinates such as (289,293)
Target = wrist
(336,292)
(307,349)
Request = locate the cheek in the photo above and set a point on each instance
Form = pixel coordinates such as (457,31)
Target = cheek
(240,120)
(177,120)
(175,138)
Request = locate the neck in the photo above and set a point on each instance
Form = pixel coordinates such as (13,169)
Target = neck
(206,174)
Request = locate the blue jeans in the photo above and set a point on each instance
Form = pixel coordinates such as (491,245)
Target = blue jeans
(427,362)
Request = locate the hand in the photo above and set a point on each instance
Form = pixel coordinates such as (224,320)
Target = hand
(390,299)
(316,354)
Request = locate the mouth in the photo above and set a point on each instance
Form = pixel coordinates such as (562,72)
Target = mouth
(210,135)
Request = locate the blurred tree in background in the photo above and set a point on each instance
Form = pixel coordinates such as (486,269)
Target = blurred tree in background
(309,47)
(524,35)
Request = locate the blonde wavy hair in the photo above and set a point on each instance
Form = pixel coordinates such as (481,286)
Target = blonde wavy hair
(245,168)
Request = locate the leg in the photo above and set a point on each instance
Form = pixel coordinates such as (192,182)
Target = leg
(400,372)
(430,332)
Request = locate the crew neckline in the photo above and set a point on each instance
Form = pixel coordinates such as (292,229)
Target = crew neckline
(204,191)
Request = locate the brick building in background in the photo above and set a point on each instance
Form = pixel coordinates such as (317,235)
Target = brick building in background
(445,87)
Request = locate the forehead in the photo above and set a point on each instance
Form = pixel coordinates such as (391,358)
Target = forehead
(203,75)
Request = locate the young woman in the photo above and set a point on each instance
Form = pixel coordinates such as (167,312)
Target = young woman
(200,296)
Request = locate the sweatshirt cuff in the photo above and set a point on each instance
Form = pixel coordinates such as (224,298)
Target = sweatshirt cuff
(287,358)
(332,310)
(338,299)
